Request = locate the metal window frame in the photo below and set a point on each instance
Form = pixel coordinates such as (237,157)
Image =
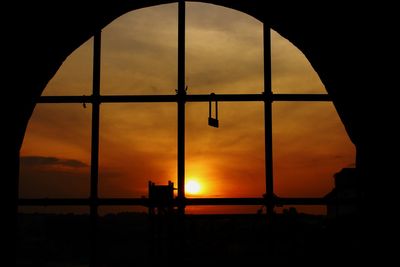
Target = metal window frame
(270,200)
(181,98)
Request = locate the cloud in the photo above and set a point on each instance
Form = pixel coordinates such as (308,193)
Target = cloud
(51,161)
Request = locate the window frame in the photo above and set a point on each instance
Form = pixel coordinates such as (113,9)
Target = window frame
(181,97)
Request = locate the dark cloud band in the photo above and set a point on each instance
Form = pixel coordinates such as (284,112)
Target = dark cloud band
(41,161)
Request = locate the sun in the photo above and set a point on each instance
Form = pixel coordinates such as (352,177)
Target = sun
(192,187)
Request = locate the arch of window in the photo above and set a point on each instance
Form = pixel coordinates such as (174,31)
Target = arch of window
(181,96)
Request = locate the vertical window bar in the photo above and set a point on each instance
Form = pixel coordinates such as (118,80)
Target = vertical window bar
(94,166)
(268,118)
(181,105)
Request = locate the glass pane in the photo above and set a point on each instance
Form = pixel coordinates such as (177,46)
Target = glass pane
(75,75)
(55,156)
(115,210)
(78,210)
(225,209)
(137,144)
(123,238)
(308,212)
(53,238)
(227,240)
(310,146)
(224,50)
(227,161)
(291,71)
(139,52)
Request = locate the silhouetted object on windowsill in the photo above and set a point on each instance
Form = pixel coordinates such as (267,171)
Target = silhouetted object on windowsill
(161,198)
(345,193)
(267,198)
(161,211)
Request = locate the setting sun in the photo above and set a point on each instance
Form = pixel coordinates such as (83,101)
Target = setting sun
(192,187)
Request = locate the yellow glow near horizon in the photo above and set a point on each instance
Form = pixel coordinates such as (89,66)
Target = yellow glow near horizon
(192,187)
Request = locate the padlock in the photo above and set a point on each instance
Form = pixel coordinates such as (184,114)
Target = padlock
(213,122)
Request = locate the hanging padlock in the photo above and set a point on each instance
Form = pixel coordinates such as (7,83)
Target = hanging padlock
(213,121)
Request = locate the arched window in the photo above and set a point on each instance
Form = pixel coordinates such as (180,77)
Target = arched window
(153,95)
(132,105)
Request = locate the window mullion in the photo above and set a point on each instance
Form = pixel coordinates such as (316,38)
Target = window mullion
(181,100)
(268,97)
(94,166)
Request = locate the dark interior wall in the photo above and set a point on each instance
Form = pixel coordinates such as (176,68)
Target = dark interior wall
(337,39)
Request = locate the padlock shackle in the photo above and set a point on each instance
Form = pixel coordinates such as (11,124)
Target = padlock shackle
(216,109)
(209,108)
(213,121)
(212,95)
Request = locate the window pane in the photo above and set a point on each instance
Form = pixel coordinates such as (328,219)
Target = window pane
(55,156)
(139,52)
(302,211)
(137,144)
(52,237)
(114,210)
(123,238)
(291,71)
(225,209)
(227,240)
(310,146)
(75,75)
(227,161)
(223,50)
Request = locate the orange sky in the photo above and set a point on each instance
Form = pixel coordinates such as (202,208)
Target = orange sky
(138,141)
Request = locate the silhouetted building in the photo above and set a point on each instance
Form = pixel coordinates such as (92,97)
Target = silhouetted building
(344,194)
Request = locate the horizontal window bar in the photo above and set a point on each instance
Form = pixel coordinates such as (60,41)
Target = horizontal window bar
(188,98)
(255,201)
(188,201)
(301,97)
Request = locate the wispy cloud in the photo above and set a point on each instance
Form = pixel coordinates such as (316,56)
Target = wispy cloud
(51,161)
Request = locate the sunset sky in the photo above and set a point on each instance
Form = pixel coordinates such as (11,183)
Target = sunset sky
(138,141)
